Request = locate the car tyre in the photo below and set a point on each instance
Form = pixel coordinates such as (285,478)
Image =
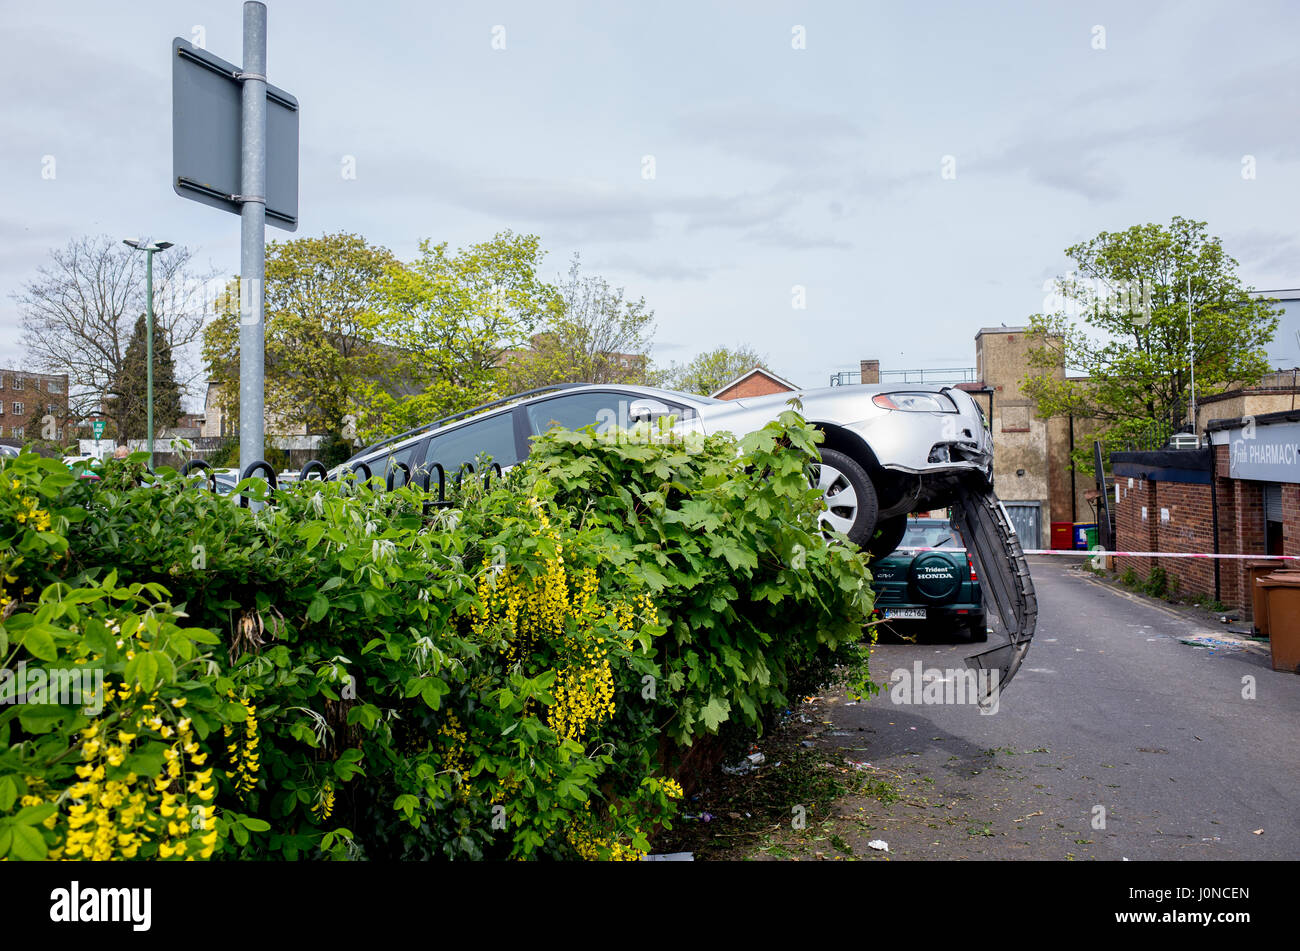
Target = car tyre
(886,538)
(978,630)
(851,503)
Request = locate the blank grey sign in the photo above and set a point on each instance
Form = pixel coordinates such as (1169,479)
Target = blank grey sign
(206,111)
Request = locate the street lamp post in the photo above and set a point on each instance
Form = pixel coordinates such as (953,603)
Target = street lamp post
(1191,352)
(148,248)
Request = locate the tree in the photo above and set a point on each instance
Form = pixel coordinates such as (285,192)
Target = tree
(1131,290)
(709,371)
(127,404)
(79,312)
(318,293)
(599,336)
(442,325)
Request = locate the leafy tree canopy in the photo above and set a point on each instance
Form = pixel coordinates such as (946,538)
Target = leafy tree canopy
(318,295)
(709,371)
(442,325)
(128,404)
(597,336)
(1131,291)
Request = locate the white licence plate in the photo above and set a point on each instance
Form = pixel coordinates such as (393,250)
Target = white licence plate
(911,614)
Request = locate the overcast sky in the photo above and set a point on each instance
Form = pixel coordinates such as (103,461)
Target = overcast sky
(773,166)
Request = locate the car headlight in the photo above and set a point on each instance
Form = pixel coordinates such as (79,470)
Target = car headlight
(910,402)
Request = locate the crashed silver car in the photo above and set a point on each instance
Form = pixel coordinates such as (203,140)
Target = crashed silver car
(888,451)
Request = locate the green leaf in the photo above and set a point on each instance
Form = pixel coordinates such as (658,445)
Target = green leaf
(28,844)
(256,825)
(714,712)
(143,669)
(147,760)
(432,690)
(8,793)
(40,644)
(318,608)
(32,815)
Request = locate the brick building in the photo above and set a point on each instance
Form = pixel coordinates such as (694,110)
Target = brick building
(759,381)
(1238,495)
(26,397)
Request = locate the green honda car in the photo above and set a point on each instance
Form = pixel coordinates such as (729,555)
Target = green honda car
(930,579)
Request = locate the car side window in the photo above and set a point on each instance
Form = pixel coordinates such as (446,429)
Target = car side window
(494,436)
(601,408)
(410,454)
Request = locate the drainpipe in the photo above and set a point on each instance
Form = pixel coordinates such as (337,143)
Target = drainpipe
(1214,510)
(1074,515)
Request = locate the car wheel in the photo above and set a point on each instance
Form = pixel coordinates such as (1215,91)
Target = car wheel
(851,505)
(884,541)
(978,630)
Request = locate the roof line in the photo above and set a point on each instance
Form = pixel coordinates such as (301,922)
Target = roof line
(745,376)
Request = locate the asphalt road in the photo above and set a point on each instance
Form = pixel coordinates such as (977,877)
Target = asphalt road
(1114,741)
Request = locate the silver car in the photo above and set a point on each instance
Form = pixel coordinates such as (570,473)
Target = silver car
(888,451)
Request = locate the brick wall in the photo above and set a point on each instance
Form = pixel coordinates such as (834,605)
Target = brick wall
(1135,531)
(1291,519)
(1190,528)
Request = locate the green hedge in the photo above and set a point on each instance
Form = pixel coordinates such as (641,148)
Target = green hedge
(342,673)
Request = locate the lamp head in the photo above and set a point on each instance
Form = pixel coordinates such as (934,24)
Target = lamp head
(142,245)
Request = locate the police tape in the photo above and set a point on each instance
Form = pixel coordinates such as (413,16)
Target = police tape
(1101,552)
(1095,552)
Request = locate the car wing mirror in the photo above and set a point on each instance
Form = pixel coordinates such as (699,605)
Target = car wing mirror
(647,411)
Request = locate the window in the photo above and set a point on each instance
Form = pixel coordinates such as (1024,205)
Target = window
(18,409)
(411,454)
(602,408)
(18,383)
(53,387)
(931,535)
(494,436)
(18,432)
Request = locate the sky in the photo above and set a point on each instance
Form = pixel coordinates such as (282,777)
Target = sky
(909,173)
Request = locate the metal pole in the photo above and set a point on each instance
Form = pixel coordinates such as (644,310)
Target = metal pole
(148,332)
(252,239)
(1191,351)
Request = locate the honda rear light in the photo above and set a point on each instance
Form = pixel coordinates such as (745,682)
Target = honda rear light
(970,564)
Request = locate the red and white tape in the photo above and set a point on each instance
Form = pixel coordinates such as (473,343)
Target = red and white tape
(1156,554)
(1128,554)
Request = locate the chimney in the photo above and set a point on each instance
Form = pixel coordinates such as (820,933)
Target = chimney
(870,371)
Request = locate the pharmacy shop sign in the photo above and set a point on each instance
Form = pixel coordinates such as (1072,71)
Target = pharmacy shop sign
(1273,455)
